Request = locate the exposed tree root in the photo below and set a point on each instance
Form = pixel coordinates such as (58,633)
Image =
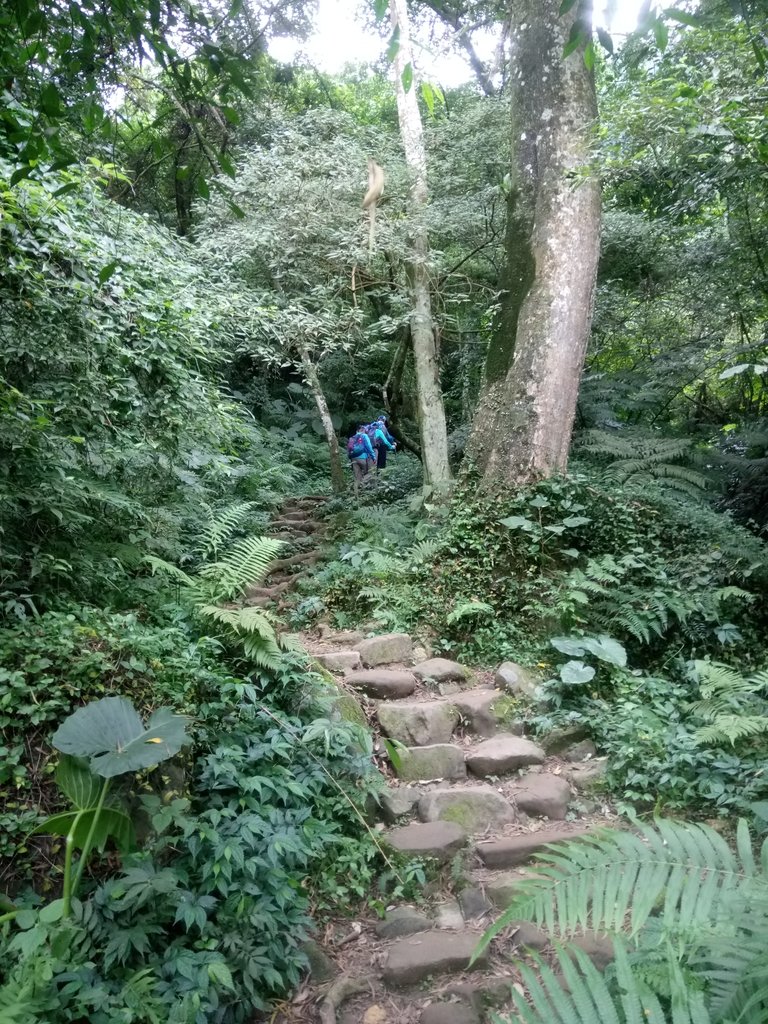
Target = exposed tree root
(342,989)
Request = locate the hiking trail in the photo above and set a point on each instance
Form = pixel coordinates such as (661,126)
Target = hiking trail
(468,792)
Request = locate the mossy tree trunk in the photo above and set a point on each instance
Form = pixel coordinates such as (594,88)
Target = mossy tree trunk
(522,429)
(434,439)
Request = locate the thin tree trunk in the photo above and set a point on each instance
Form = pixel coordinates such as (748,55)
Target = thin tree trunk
(522,429)
(392,395)
(338,483)
(434,440)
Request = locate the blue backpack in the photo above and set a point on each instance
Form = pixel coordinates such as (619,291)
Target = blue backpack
(356,445)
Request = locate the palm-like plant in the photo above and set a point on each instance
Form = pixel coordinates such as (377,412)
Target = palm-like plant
(689,917)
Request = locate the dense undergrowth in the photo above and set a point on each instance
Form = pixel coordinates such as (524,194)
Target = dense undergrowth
(676,587)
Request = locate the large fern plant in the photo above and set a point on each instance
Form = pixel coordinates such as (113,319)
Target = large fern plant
(689,917)
(639,459)
(732,707)
(229,567)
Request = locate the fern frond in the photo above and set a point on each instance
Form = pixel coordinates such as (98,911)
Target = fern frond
(159,565)
(579,994)
(469,610)
(245,563)
(732,728)
(222,524)
(614,881)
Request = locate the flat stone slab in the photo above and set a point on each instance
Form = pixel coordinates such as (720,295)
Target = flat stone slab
(586,774)
(402,921)
(449,915)
(503,753)
(418,724)
(544,795)
(385,649)
(474,903)
(427,764)
(421,956)
(474,808)
(476,708)
(529,935)
(562,737)
(398,800)
(516,680)
(506,886)
(512,850)
(442,670)
(437,839)
(339,661)
(449,1013)
(383,682)
(579,751)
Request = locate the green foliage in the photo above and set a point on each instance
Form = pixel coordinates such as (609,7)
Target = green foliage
(734,707)
(208,920)
(691,911)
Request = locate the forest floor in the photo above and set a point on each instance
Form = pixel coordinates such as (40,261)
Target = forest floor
(466,792)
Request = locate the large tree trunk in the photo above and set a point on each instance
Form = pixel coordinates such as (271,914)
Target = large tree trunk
(338,483)
(522,428)
(434,440)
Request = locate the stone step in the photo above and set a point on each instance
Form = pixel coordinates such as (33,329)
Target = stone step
(509,851)
(387,649)
(383,682)
(428,764)
(418,723)
(504,886)
(472,807)
(478,710)
(542,795)
(503,753)
(418,957)
(436,839)
(339,661)
(442,670)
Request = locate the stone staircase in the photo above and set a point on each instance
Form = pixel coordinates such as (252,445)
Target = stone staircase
(468,786)
(298,526)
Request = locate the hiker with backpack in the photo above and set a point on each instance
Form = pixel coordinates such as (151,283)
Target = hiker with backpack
(361,454)
(382,441)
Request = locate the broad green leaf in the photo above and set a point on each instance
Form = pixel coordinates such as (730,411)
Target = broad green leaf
(111,824)
(566,6)
(50,101)
(429,96)
(576,37)
(106,272)
(576,672)
(407,77)
(733,371)
(110,733)
(606,649)
(573,521)
(589,55)
(573,647)
(52,912)
(20,173)
(661,34)
(605,40)
(683,17)
(380,8)
(394,44)
(80,786)
(517,523)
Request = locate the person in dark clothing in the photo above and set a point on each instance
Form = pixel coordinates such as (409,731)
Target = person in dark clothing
(383,442)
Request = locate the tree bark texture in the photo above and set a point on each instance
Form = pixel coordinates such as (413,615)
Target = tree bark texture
(434,439)
(522,429)
(338,483)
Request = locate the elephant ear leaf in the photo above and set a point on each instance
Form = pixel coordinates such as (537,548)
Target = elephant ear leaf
(111,823)
(77,782)
(110,734)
